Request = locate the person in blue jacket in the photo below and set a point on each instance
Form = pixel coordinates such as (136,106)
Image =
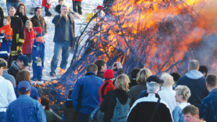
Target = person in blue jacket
(85,96)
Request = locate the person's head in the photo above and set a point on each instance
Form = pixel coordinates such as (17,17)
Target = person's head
(24,88)
(61,2)
(134,73)
(3,65)
(22,62)
(7,20)
(211,82)
(21,8)
(176,76)
(38,11)
(142,75)
(183,93)
(1,12)
(11,11)
(193,65)
(101,64)
(116,66)
(153,84)
(122,82)
(92,68)
(23,75)
(109,74)
(204,70)
(28,24)
(45,102)
(64,9)
(191,113)
(168,79)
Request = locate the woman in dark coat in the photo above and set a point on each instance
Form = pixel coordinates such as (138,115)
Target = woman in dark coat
(21,12)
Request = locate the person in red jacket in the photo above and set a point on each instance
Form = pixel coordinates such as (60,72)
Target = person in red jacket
(28,40)
(47,5)
(77,6)
(107,85)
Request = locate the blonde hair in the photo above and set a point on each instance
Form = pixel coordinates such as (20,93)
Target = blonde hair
(184,91)
(28,21)
(122,82)
(142,75)
(167,78)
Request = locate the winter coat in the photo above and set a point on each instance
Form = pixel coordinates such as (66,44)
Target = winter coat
(28,41)
(23,17)
(14,69)
(195,81)
(68,114)
(135,91)
(39,22)
(60,28)
(109,103)
(177,112)
(52,116)
(46,3)
(105,88)
(5,45)
(1,17)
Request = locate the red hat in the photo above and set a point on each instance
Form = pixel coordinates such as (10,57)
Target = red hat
(109,74)
(99,7)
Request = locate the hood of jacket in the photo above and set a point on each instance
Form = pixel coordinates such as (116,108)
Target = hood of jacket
(194,74)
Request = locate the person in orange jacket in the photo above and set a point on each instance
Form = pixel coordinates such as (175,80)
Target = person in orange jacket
(6,33)
(47,5)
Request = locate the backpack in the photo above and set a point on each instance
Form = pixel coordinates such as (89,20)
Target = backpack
(120,111)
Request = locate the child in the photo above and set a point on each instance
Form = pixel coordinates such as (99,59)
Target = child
(58,7)
(38,54)
(47,5)
(28,40)
(6,33)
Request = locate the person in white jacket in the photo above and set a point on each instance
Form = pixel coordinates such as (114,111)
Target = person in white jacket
(7,94)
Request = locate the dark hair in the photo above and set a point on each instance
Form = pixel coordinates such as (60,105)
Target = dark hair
(190,109)
(92,68)
(18,8)
(37,9)
(23,75)
(100,63)
(176,76)
(203,69)
(45,102)
(3,63)
(211,80)
(134,73)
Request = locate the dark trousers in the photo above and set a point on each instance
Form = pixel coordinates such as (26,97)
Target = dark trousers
(83,117)
(77,7)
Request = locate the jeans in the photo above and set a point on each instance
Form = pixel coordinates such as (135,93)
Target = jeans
(60,47)
(77,7)
(14,4)
(2,116)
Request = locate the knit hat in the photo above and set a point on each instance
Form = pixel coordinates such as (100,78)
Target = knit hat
(109,74)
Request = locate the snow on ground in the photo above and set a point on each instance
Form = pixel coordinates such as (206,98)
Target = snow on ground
(87,6)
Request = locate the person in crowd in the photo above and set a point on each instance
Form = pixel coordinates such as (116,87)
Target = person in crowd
(150,107)
(208,107)
(182,95)
(28,40)
(5,74)
(167,94)
(58,7)
(176,76)
(64,38)
(191,113)
(18,65)
(47,5)
(21,12)
(107,85)
(35,4)
(116,104)
(204,70)
(38,51)
(6,33)
(38,20)
(1,16)
(101,64)
(117,68)
(195,81)
(141,81)
(25,109)
(50,115)
(18,35)
(25,75)
(12,3)
(77,6)
(7,94)
(85,96)
(133,74)
(68,109)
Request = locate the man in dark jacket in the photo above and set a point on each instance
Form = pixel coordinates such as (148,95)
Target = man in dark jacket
(86,90)
(18,35)
(38,20)
(195,81)
(63,39)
